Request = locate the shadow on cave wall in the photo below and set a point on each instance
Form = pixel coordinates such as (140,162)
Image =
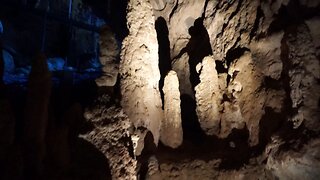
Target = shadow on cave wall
(164,51)
(190,124)
(197,48)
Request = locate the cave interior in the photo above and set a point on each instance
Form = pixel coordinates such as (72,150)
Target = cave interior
(159,89)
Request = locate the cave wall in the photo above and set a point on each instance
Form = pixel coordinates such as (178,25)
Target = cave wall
(256,69)
(249,71)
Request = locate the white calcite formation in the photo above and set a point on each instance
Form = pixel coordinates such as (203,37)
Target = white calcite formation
(208,97)
(139,69)
(171,129)
(108,57)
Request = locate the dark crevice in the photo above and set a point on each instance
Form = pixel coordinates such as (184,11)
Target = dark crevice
(256,24)
(287,16)
(220,67)
(204,9)
(270,123)
(197,48)
(228,79)
(234,13)
(190,124)
(164,51)
(234,54)
(149,150)
(271,83)
(174,10)
(240,155)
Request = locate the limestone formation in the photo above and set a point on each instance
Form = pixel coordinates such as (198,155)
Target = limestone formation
(313,26)
(175,12)
(181,67)
(208,97)
(139,69)
(171,129)
(293,164)
(250,98)
(153,169)
(111,135)
(266,55)
(305,91)
(36,116)
(109,52)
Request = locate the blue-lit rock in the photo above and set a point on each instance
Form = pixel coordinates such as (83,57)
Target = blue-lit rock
(9,65)
(56,64)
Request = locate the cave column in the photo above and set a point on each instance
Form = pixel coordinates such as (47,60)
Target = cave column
(139,69)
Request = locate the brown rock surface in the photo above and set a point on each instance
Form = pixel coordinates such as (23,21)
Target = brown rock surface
(109,52)
(111,135)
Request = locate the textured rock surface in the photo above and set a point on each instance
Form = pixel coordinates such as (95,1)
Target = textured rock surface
(301,164)
(111,135)
(263,80)
(305,91)
(109,52)
(171,133)
(139,69)
(181,67)
(208,97)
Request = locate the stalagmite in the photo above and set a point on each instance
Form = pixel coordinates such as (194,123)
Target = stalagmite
(139,69)
(36,116)
(208,97)
(171,129)
(108,58)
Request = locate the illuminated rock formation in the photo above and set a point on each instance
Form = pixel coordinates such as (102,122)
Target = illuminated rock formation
(111,135)
(139,69)
(208,97)
(109,52)
(36,116)
(250,98)
(171,128)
